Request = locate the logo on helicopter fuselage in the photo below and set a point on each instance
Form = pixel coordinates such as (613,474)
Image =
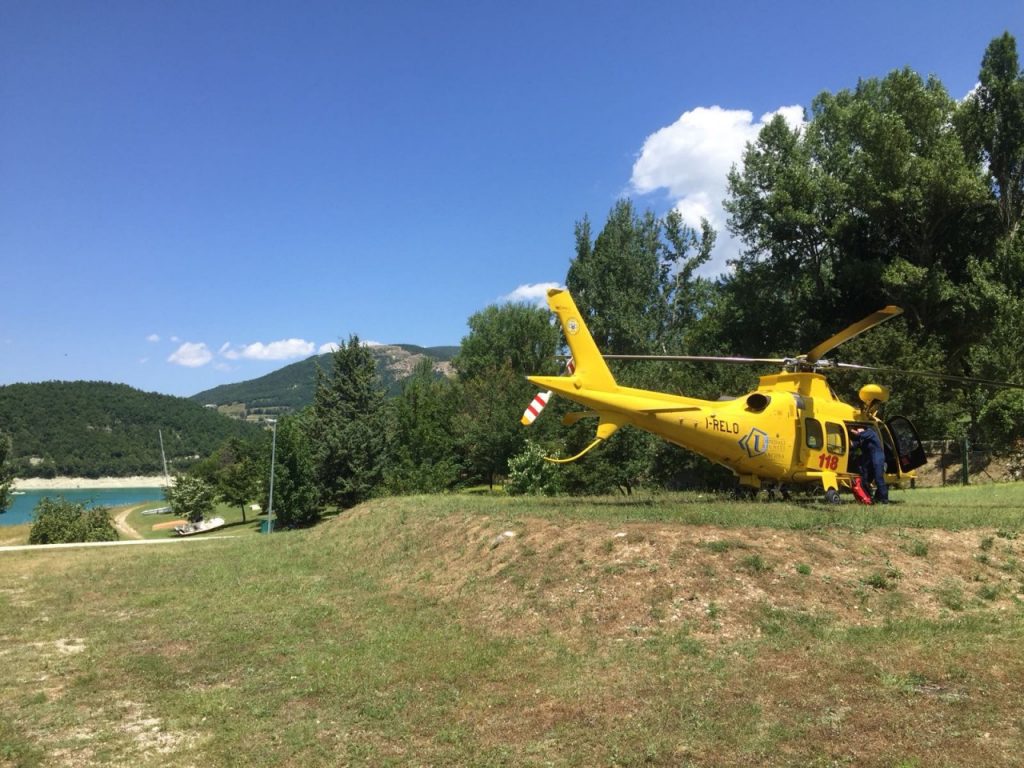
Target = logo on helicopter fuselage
(755,442)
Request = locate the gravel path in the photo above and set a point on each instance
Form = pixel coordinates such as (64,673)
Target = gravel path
(121,523)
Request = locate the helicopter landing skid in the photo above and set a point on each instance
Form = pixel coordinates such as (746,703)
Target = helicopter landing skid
(772,491)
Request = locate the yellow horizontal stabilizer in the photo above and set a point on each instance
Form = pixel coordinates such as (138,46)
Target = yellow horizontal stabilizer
(571,418)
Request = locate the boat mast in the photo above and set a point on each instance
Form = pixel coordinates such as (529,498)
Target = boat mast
(167,480)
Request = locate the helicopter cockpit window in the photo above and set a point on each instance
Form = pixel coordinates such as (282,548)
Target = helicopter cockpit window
(835,435)
(815,439)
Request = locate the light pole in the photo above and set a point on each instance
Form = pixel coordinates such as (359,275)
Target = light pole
(273,451)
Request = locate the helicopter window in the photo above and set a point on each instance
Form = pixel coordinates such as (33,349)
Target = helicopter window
(814,436)
(836,435)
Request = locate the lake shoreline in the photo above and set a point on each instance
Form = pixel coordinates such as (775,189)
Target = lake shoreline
(70,483)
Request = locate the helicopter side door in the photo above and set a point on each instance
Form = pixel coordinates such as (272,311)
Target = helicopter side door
(826,447)
(908,449)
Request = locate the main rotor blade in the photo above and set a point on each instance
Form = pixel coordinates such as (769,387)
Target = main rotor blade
(930,375)
(854,330)
(698,358)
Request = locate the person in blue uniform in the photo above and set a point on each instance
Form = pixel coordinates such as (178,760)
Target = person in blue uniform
(872,461)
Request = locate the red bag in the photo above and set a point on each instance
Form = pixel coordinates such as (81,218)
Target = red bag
(859,492)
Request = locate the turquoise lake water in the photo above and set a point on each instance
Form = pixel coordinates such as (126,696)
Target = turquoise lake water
(24,505)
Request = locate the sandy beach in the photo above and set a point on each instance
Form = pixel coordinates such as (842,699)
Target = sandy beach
(65,483)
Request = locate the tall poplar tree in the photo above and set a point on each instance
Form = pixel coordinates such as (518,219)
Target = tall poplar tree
(991,123)
(636,285)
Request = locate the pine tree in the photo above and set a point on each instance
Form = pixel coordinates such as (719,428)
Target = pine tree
(347,426)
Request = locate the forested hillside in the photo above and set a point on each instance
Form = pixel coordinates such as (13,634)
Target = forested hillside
(291,388)
(94,429)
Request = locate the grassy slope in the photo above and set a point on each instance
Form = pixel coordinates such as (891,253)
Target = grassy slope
(671,631)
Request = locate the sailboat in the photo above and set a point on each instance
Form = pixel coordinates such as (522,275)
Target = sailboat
(167,480)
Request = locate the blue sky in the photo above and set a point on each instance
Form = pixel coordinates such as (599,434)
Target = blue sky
(196,193)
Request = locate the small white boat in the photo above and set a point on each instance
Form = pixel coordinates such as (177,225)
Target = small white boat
(201,527)
(157,511)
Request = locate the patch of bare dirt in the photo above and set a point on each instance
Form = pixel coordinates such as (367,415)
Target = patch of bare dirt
(717,585)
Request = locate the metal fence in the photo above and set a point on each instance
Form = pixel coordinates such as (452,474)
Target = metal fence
(960,462)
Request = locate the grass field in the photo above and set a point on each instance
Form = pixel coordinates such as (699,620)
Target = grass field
(487,631)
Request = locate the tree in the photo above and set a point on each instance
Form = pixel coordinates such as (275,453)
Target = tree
(6,473)
(513,335)
(423,453)
(635,282)
(991,125)
(59,521)
(347,426)
(297,493)
(190,497)
(236,472)
(636,285)
(505,344)
(873,201)
(490,433)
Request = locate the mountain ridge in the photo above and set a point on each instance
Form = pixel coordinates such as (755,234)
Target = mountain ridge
(291,387)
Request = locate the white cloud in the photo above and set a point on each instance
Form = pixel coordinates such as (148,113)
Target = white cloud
(175,339)
(330,346)
(153,337)
(531,293)
(691,159)
(191,355)
(284,349)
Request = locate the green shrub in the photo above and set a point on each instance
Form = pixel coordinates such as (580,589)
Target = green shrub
(59,521)
(951,595)
(530,474)
(988,591)
(918,548)
(755,564)
(884,580)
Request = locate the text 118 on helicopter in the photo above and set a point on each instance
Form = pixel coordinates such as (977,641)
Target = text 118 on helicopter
(790,431)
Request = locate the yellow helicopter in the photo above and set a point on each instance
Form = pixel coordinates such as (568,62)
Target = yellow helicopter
(792,430)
